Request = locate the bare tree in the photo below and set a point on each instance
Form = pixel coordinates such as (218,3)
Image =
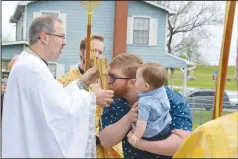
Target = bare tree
(188,27)
(191,51)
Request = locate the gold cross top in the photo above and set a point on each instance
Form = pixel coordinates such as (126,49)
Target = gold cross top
(90,5)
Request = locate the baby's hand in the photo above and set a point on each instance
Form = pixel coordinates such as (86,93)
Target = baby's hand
(129,134)
(133,139)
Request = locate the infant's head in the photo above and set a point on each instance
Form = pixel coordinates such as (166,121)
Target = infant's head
(150,76)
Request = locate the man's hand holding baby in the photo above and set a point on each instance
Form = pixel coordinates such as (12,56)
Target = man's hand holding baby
(132,139)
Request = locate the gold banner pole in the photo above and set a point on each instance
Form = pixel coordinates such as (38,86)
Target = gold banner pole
(100,63)
(89,5)
(222,74)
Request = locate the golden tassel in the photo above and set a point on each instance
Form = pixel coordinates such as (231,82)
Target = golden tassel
(103,70)
(101,65)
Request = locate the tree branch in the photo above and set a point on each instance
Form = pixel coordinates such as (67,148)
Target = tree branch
(187,28)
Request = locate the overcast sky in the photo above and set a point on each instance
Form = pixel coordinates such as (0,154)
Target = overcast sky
(211,52)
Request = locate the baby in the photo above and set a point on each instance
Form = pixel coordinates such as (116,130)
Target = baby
(153,104)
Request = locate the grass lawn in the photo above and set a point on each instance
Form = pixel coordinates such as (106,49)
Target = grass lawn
(203,75)
(206,115)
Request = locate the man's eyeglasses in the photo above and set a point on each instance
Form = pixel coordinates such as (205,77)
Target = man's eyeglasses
(112,78)
(61,36)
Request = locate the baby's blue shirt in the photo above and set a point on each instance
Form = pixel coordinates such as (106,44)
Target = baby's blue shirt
(153,107)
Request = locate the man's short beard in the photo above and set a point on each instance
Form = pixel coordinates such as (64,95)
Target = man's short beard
(120,92)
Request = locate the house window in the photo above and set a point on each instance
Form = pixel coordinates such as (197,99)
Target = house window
(141,31)
(52,14)
(5,68)
(52,67)
(19,30)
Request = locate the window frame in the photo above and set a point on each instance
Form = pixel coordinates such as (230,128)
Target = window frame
(56,65)
(59,16)
(3,61)
(19,28)
(5,72)
(133,19)
(50,11)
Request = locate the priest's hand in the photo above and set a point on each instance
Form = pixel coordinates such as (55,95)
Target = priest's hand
(90,76)
(103,97)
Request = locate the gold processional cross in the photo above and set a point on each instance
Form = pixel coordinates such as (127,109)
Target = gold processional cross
(100,63)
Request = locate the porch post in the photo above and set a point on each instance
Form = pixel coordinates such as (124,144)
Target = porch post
(185,81)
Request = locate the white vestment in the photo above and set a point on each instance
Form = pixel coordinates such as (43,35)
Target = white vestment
(43,119)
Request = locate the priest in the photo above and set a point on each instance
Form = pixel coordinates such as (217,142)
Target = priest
(40,117)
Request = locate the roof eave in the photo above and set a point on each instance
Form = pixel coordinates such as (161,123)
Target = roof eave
(170,11)
(14,43)
(16,14)
(187,62)
(12,20)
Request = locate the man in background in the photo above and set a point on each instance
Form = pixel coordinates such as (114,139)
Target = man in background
(97,44)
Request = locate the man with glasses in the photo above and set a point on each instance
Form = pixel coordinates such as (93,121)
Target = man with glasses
(113,79)
(41,119)
(97,46)
(117,119)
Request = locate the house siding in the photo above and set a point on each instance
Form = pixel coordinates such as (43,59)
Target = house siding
(153,53)
(76,29)
(9,51)
(19,28)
